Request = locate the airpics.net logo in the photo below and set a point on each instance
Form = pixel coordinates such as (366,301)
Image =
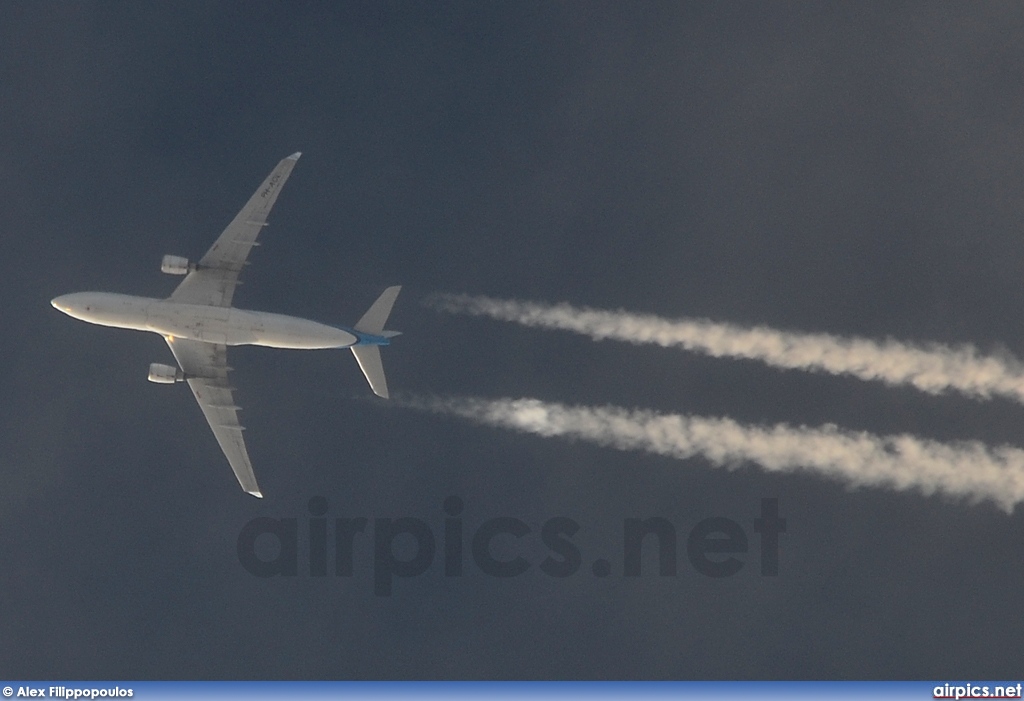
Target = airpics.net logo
(269,547)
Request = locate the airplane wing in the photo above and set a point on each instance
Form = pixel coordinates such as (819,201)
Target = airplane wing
(206,371)
(216,275)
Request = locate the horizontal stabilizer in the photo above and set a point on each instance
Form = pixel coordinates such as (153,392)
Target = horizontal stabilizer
(374,319)
(368,358)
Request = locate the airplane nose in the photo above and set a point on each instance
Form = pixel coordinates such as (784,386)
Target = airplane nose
(60,303)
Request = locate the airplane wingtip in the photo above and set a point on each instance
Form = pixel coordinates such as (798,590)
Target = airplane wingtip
(256,493)
(295,156)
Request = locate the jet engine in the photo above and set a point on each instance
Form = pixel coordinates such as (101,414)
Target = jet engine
(165,374)
(176,265)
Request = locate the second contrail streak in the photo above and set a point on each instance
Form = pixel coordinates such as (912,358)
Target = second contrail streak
(930,368)
(968,470)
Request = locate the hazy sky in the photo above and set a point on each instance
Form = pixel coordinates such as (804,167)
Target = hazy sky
(853,169)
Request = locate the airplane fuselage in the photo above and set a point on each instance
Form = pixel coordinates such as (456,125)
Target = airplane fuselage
(227,325)
(197,321)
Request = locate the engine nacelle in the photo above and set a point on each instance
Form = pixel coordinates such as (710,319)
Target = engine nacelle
(176,265)
(165,374)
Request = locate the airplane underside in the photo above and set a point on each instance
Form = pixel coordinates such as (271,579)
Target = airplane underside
(199,323)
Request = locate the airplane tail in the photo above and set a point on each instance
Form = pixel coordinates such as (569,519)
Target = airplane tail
(367,351)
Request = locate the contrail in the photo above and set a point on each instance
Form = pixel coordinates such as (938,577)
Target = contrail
(930,368)
(967,470)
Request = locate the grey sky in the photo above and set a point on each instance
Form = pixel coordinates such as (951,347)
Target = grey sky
(847,168)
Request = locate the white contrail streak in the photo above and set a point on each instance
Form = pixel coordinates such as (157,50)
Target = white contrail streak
(933,368)
(967,470)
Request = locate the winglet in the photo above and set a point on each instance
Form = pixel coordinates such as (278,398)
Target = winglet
(257,494)
(295,156)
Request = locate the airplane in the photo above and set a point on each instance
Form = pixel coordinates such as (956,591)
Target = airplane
(199,323)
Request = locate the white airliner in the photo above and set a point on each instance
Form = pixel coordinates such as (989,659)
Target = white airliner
(198,322)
